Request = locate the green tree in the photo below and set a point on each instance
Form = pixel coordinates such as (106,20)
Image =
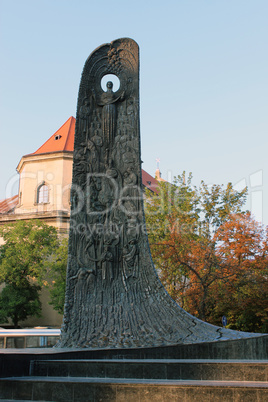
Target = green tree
(17,303)
(23,261)
(57,276)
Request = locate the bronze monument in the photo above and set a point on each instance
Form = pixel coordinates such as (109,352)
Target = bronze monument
(114,298)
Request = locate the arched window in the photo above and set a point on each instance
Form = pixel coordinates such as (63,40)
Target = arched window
(42,194)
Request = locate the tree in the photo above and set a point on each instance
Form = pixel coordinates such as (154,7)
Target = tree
(23,260)
(184,224)
(57,276)
(243,249)
(17,303)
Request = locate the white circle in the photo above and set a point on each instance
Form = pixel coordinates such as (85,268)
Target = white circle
(110,77)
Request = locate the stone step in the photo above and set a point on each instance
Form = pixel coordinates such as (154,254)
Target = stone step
(115,390)
(154,369)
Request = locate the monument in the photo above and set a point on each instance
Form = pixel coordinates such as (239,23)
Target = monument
(123,337)
(114,298)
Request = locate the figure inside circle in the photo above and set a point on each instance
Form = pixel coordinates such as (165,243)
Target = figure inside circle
(108,100)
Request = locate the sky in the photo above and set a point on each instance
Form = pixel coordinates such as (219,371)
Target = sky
(203,83)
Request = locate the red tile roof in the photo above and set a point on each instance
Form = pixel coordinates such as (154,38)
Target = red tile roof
(8,204)
(149,181)
(62,140)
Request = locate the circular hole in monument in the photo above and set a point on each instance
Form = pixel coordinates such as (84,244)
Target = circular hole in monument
(110,77)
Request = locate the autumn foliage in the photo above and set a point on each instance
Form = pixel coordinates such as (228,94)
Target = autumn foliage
(211,257)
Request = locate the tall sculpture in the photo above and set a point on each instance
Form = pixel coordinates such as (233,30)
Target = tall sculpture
(113,296)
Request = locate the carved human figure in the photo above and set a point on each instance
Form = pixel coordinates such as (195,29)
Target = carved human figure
(131,112)
(119,144)
(82,274)
(128,206)
(91,152)
(97,139)
(108,100)
(128,156)
(124,137)
(108,192)
(131,259)
(91,130)
(107,264)
(94,190)
(130,178)
(84,113)
(81,167)
(107,196)
(86,253)
(130,182)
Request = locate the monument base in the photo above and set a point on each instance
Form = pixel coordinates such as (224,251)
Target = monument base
(225,370)
(16,362)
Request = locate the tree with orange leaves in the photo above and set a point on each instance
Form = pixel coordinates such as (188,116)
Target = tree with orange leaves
(242,247)
(188,231)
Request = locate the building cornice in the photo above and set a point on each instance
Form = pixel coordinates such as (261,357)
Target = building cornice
(33,158)
(45,216)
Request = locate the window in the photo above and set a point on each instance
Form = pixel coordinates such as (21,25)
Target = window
(42,194)
(16,342)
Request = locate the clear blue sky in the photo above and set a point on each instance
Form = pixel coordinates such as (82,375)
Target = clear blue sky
(204,81)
